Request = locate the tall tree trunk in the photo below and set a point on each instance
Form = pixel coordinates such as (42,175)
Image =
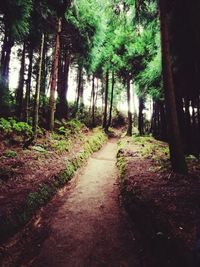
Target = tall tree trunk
(130,119)
(20,90)
(54,75)
(5,57)
(96,94)
(102,95)
(4,74)
(79,79)
(3,50)
(28,85)
(134,107)
(106,103)
(62,92)
(93,100)
(81,96)
(111,99)
(44,69)
(155,129)
(37,93)
(163,123)
(60,76)
(141,118)
(175,144)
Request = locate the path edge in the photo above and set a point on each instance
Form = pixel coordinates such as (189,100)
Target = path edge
(45,191)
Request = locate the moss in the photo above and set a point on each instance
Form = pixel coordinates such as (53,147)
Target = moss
(95,142)
(152,148)
(65,175)
(148,148)
(39,197)
(121,164)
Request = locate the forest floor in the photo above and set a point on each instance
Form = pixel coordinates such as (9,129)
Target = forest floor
(164,206)
(83,225)
(147,218)
(30,177)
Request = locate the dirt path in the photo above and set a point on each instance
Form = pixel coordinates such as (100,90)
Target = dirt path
(89,228)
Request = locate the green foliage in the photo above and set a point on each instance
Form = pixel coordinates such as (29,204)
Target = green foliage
(95,141)
(121,164)
(16,16)
(15,132)
(21,128)
(61,146)
(10,154)
(62,130)
(39,149)
(5,126)
(153,149)
(38,198)
(74,126)
(12,127)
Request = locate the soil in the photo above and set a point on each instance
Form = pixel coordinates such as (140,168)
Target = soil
(23,173)
(164,206)
(85,224)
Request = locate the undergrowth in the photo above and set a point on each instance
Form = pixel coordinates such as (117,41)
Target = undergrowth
(152,149)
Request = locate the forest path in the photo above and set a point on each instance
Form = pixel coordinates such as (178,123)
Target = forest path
(89,227)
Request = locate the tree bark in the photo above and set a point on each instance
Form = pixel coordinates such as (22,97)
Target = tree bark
(141,118)
(37,93)
(28,85)
(5,57)
(20,90)
(163,123)
(4,74)
(106,103)
(44,69)
(79,79)
(93,100)
(54,75)
(130,119)
(175,144)
(63,84)
(96,93)
(111,99)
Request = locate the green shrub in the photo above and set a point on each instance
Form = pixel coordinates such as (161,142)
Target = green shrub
(22,128)
(11,126)
(61,145)
(5,126)
(64,131)
(74,126)
(36,199)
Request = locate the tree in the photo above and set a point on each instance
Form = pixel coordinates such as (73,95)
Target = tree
(37,92)
(105,125)
(20,90)
(15,18)
(111,99)
(130,122)
(54,75)
(175,143)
